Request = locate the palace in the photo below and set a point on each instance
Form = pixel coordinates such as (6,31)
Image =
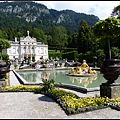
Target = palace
(27,48)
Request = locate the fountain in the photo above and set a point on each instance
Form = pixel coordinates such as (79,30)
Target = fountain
(4,68)
(82,71)
(111,70)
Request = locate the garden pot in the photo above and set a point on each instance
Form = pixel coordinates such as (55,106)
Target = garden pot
(110,70)
(4,68)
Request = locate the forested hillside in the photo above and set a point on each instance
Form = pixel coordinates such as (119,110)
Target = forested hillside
(26,15)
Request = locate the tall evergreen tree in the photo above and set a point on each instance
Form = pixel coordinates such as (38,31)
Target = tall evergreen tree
(59,37)
(72,40)
(84,40)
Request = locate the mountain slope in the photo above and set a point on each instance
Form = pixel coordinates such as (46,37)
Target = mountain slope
(31,14)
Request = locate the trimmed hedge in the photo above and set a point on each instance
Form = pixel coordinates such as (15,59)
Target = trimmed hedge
(70,55)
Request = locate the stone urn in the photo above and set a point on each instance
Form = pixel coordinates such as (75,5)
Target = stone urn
(110,70)
(4,68)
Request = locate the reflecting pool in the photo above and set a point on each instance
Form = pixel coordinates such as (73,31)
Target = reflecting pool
(60,76)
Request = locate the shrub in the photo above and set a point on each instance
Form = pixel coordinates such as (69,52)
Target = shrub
(48,84)
(15,66)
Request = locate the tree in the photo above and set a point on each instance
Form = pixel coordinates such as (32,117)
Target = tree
(84,40)
(107,28)
(72,40)
(59,37)
(39,35)
(116,12)
(5,57)
(115,51)
(49,39)
(3,34)
(3,45)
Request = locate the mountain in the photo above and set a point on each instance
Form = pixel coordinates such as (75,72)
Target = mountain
(18,15)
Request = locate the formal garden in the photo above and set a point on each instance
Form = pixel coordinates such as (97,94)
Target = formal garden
(68,101)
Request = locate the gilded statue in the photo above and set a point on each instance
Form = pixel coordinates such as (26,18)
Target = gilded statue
(78,70)
(84,68)
(72,71)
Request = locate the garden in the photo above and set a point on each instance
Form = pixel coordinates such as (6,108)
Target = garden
(68,101)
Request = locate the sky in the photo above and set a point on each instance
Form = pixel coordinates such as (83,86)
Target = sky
(102,9)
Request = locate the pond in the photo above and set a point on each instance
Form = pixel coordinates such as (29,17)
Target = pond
(60,76)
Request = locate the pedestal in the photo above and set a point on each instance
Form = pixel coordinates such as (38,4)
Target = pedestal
(110,90)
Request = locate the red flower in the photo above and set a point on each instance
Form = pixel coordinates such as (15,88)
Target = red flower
(46,75)
(42,78)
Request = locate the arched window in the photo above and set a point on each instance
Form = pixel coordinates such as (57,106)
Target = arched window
(24,49)
(32,50)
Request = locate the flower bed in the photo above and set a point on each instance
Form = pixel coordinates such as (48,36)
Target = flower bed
(70,110)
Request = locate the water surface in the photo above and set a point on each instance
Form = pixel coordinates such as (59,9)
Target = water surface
(60,76)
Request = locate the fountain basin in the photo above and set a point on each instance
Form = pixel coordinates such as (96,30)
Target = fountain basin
(81,75)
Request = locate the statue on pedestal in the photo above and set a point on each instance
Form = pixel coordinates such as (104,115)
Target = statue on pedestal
(83,69)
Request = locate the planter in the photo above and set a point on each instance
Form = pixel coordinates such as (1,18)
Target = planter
(4,68)
(110,70)
(2,65)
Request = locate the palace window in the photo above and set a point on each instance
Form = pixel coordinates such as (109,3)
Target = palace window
(45,51)
(24,49)
(10,51)
(14,50)
(32,50)
(42,50)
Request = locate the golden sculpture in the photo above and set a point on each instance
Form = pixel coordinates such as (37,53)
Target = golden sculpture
(78,70)
(84,65)
(91,71)
(83,69)
(72,71)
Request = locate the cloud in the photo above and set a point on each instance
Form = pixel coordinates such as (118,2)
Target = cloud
(102,9)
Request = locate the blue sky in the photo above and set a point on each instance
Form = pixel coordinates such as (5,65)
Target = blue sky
(102,9)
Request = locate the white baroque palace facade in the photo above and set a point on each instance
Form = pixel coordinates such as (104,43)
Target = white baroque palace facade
(27,48)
